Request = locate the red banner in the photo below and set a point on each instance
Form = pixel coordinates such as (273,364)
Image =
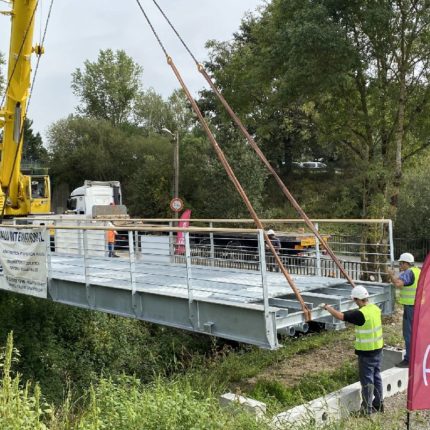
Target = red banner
(419,366)
(180,237)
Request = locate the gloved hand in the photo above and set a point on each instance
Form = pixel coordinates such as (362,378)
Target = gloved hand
(321,306)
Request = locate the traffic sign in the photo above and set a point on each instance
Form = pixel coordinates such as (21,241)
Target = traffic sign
(176,204)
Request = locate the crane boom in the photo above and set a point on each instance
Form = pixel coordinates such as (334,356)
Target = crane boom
(20,194)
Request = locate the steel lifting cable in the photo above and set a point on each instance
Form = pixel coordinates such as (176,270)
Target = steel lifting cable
(260,154)
(21,133)
(230,172)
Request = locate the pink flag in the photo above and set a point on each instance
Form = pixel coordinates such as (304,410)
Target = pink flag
(419,367)
(180,237)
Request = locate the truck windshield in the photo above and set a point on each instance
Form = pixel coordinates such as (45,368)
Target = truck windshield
(71,204)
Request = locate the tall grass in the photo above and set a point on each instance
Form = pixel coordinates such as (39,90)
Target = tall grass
(122,404)
(128,405)
(21,407)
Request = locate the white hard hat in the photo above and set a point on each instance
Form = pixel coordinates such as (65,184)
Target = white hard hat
(359,292)
(407,258)
(270,232)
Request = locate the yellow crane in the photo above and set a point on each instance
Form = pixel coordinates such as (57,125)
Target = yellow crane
(20,194)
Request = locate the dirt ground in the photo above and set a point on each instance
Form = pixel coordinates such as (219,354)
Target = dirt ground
(395,415)
(328,358)
(291,371)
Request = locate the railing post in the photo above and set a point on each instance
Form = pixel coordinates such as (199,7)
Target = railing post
(132,262)
(268,318)
(318,254)
(83,233)
(211,238)
(391,240)
(171,243)
(136,244)
(191,314)
(48,256)
(80,239)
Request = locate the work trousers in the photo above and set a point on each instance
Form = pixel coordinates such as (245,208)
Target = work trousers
(369,370)
(408,319)
(271,264)
(111,247)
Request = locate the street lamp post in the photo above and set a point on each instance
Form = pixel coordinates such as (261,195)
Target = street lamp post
(175,163)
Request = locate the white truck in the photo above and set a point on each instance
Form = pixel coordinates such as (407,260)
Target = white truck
(96,197)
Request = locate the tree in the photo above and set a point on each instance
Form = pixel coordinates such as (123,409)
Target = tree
(414,203)
(108,88)
(362,67)
(152,113)
(33,150)
(84,148)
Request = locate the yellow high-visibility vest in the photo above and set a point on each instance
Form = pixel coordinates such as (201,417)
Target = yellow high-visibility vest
(407,293)
(368,337)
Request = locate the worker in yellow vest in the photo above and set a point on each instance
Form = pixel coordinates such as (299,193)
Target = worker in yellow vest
(368,347)
(407,281)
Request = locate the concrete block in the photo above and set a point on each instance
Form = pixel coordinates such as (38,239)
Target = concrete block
(338,405)
(391,357)
(250,405)
(395,380)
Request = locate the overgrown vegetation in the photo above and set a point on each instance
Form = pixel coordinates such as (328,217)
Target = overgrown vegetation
(184,398)
(124,403)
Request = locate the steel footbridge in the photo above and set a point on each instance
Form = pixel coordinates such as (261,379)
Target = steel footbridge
(229,294)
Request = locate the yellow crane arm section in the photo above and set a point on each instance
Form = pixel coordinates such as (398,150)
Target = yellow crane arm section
(20,195)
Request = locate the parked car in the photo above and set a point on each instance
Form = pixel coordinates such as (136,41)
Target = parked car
(313,165)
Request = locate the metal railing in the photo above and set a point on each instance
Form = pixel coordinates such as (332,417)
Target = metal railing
(365,257)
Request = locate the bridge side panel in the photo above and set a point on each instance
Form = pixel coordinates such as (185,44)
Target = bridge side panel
(222,319)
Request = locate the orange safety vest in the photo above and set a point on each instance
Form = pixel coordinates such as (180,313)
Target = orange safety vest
(111,236)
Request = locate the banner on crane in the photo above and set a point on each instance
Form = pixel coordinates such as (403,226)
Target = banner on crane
(23,261)
(419,366)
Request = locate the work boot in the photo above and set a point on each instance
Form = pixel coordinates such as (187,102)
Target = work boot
(403,364)
(378,408)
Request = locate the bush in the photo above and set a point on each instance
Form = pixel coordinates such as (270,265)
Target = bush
(20,407)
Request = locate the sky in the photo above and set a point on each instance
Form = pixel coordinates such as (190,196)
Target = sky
(78,29)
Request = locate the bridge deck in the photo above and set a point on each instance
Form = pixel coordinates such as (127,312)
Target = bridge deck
(224,302)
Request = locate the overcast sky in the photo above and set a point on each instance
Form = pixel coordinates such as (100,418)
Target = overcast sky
(78,29)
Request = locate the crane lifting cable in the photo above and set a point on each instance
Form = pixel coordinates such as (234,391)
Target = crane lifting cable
(230,172)
(260,154)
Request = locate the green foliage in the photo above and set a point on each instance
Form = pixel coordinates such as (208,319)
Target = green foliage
(33,150)
(206,186)
(124,403)
(108,88)
(83,148)
(325,79)
(155,115)
(21,407)
(127,405)
(414,201)
(66,347)
(310,387)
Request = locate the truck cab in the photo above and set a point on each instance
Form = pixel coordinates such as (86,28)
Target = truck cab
(94,193)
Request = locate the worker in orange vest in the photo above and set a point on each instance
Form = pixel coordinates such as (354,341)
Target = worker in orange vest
(110,237)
